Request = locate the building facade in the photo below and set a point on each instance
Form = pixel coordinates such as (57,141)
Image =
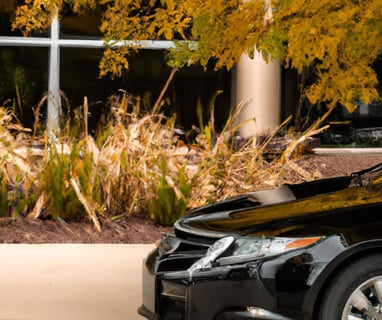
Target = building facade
(60,66)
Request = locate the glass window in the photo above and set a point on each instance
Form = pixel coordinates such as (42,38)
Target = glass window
(145,79)
(7,12)
(23,81)
(362,128)
(79,77)
(193,86)
(84,25)
(80,74)
(24,73)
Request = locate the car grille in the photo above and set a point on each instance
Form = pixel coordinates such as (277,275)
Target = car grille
(181,258)
(175,254)
(180,263)
(174,291)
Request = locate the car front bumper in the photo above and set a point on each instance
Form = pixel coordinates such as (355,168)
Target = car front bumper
(221,298)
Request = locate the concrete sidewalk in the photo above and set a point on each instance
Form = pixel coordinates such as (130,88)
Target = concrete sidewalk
(71,281)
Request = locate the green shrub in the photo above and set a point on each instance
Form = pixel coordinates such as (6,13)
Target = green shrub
(169,201)
(61,200)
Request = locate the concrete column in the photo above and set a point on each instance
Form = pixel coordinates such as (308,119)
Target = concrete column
(258,86)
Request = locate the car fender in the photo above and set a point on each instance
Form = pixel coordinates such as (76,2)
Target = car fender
(314,296)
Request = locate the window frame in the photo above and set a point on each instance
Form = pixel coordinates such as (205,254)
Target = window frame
(54,43)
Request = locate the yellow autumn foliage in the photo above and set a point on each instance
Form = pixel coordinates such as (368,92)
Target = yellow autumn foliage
(331,42)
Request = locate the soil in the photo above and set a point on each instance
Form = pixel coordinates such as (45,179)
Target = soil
(140,229)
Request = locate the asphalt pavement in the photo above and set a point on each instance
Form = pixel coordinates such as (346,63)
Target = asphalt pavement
(71,281)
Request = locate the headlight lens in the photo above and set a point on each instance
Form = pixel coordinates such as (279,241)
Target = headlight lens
(213,252)
(245,249)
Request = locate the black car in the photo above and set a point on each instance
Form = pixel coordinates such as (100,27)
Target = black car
(301,251)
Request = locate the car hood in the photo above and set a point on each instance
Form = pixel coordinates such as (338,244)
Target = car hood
(281,213)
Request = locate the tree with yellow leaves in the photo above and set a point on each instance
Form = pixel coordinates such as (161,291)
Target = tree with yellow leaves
(334,41)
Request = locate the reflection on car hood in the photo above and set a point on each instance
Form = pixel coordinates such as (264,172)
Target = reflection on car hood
(283,212)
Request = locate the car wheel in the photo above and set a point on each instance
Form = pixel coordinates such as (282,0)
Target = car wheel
(356,292)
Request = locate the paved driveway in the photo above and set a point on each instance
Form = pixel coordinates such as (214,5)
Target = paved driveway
(71,281)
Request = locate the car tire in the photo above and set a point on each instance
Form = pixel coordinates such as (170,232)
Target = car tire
(356,292)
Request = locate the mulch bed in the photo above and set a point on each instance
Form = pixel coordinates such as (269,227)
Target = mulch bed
(133,229)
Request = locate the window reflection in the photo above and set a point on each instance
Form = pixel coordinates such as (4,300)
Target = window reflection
(79,74)
(84,25)
(7,12)
(23,81)
(80,77)
(145,79)
(24,75)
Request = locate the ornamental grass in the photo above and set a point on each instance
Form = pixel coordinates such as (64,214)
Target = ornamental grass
(134,164)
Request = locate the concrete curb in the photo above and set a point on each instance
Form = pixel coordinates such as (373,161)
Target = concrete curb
(347,151)
(71,281)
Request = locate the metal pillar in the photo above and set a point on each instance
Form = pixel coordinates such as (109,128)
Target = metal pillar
(54,99)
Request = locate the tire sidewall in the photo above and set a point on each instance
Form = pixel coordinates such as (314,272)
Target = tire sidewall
(347,280)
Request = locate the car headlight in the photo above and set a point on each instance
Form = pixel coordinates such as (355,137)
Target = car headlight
(228,251)
(249,248)
(213,252)
(204,263)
